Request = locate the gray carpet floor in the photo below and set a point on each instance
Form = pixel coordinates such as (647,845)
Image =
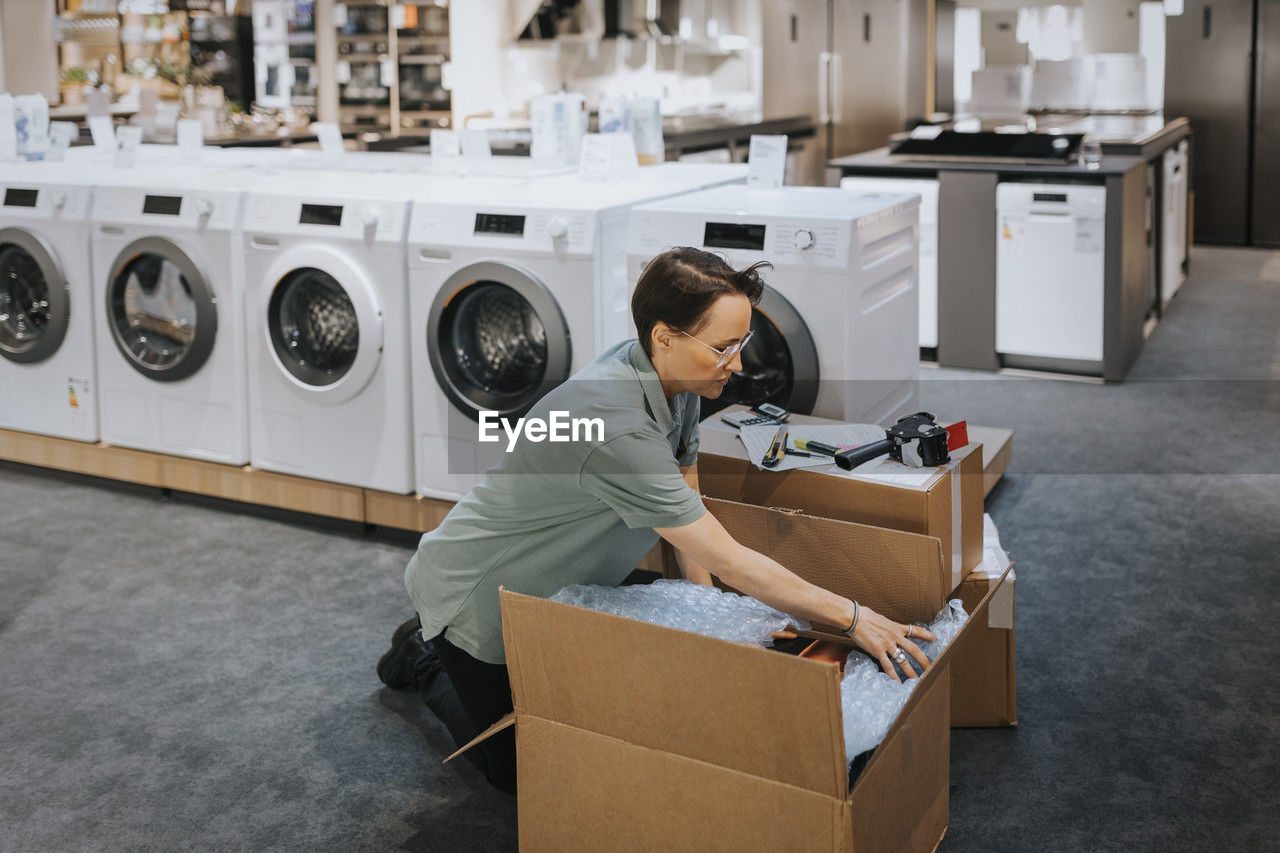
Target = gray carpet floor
(176,673)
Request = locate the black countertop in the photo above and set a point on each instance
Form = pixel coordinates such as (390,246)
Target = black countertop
(1126,142)
(881,162)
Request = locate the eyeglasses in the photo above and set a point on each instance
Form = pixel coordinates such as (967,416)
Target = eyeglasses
(726,354)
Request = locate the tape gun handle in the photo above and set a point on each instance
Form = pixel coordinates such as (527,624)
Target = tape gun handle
(850,459)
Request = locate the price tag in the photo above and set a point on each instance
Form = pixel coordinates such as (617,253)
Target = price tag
(61,135)
(103,131)
(330,138)
(474,145)
(606,156)
(129,139)
(446,152)
(190,136)
(766,161)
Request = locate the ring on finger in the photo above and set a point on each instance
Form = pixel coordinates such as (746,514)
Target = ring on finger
(898,655)
(911,632)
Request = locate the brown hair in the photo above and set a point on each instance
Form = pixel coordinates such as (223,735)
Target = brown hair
(679,286)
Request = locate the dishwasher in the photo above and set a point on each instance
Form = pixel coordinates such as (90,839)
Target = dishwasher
(927,189)
(1049,275)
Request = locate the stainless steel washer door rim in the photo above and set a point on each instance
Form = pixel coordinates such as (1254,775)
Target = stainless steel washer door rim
(161,311)
(779,365)
(529,312)
(35,306)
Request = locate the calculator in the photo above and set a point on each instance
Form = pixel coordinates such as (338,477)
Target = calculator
(737,420)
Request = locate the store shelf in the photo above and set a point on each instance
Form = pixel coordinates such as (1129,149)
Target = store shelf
(244,484)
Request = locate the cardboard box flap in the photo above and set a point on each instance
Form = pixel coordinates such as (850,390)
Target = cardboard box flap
(976,617)
(896,574)
(740,707)
(507,721)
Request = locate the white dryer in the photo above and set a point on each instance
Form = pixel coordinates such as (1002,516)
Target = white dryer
(836,331)
(47,378)
(927,189)
(327,328)
(512,290)
(167,287)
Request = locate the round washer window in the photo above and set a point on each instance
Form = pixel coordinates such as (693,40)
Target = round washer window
(313,326)
(24,300)
(496,341)
(153,311)
(768,370)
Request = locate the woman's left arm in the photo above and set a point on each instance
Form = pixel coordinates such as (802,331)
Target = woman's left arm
(689,567)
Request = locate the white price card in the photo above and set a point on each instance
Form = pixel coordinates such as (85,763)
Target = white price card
(128,138)
(474,145)
(766,161)
(103,131)
(61,135)
(330,138)
(190,135)
(607,155)
(446,150)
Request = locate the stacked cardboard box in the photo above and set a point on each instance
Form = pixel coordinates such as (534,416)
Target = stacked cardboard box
(946,504)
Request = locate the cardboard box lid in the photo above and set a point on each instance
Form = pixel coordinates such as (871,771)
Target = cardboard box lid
(894,573)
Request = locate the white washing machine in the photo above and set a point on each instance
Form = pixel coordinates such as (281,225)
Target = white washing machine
(927,189)
(836,332)
(326,320)
(167,287)
(47,376)
(512,291)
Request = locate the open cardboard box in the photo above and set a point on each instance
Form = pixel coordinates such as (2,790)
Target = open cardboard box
(634,736)
(947,505)
(984,690)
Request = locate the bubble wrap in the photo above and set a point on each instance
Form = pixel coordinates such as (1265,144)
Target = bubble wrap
(870,700)
(685,606)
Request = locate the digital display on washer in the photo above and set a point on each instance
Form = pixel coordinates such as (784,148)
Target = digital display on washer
(732,235)
(499,223)
(14,197)
(162,205)
(1059,197)
(321,214)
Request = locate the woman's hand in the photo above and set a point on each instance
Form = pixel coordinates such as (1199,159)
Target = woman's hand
(882,638)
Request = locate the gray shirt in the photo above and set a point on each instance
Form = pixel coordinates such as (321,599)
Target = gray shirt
(551,514)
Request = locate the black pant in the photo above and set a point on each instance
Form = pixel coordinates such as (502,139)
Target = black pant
(471,696)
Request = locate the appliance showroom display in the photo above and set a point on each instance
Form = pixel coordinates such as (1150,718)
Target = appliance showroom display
(1049,275)
(326,321)
(836,332)
(512,292)
(167,287)
(47,377)
(927,189)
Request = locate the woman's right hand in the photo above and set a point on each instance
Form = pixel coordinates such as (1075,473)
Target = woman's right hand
(881,638)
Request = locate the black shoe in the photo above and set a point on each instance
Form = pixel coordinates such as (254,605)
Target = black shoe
(399,667)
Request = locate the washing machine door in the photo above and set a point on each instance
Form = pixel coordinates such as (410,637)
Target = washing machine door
(34,305)
(160,309)
(780,363)
(497,339)
(323,324)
